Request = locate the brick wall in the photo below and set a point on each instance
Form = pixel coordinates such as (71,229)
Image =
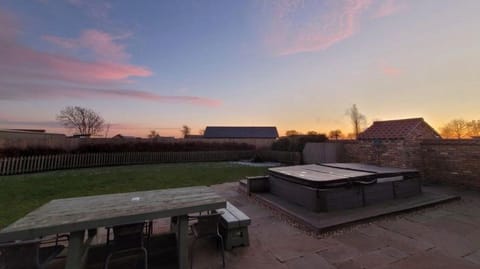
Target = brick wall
(395,153)
(452,161)
(449,161)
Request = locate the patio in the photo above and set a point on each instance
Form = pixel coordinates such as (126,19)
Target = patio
(444,236)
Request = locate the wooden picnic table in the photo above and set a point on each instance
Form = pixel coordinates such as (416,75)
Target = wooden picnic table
(81,214)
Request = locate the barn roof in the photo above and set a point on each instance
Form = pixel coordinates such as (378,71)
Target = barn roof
(394,129)
(241,132)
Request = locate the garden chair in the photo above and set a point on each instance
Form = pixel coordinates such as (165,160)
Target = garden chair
(206,226)
(27,254)
(128,239)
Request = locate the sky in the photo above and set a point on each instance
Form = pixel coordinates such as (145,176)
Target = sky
(158,65)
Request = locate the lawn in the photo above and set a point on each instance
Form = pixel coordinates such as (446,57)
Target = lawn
(21,194)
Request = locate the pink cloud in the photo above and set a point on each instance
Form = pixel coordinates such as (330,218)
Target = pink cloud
(23,91)
(26,73)
(9,27)
(389,7)
(101,44)
(299,26)
(389,70)
(26,63)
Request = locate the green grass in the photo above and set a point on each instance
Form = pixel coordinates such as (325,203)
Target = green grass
(21,194)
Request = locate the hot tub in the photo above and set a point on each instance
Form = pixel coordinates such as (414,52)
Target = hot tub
(333,186)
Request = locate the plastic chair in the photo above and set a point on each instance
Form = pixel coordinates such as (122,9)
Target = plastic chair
(27,254)
(206,227)
(127,239)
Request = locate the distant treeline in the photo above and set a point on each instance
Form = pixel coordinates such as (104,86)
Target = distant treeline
(297,142)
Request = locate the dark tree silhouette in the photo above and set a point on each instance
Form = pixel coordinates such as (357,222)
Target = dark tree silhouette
(185,130)
(83,120)
(292,132)
(457,128)
(357,119)
(335,134)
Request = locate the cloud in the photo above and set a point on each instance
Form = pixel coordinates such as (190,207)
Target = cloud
(101,44)
(26,73)
(299,26)
(389,7)
(23,91)
(389,70)
(25,63)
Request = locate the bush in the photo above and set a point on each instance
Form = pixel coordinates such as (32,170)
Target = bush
(29,151)
(297,142)
(127,147)
(162,147)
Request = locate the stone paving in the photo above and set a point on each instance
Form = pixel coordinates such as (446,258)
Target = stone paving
(444,236)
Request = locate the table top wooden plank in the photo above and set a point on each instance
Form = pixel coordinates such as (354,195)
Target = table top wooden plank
(88,212)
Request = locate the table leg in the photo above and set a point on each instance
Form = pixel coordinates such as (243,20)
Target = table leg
(173,225)
(75,250)
(182,241)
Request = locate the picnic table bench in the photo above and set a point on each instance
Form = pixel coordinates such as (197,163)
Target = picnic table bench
(78,215)
(234,226)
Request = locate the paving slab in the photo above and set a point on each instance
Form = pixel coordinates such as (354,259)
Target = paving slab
(339,252)
(309,261)
(429,260)
(398,241)
(375,259)
(473,257)
(360,241)
(444,236)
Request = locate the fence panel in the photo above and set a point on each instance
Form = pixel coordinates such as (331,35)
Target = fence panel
(19,165)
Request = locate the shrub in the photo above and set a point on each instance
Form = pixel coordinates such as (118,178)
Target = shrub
(162,147)
(297,142)
(29,151)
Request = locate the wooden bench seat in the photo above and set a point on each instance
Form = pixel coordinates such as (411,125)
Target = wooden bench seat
(234,227)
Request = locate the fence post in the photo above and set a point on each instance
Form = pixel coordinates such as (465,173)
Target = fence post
(2,166)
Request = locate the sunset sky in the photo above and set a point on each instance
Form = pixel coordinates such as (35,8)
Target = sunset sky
(157,65)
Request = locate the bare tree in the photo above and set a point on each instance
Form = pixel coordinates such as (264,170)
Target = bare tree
(292,132)
(185,130)
(153,134)
(201,131)
(474,128)
(357,119)
(312,133)
(335,134)
(83,120)
(457,128)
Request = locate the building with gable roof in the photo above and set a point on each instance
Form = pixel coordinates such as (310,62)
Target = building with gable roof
(406,129)
(259,136)
(394,143)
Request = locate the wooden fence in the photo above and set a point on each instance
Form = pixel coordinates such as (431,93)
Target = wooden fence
(20,165)
(286,157)
(30,164)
